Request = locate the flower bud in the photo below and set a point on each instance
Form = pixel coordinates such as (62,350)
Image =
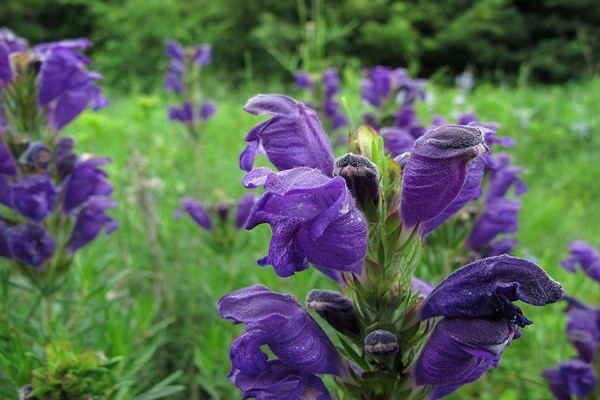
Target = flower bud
(362,179)
(381,343)
(335,308)
(36,157)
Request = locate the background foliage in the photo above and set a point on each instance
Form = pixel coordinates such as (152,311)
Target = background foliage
(542,40)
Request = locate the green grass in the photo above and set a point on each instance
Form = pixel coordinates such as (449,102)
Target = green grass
(155,304)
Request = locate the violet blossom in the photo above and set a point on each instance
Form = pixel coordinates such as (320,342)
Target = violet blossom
(586,257)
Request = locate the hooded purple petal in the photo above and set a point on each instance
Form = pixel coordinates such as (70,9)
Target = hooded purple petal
(30,244)
(86,180)
(586,257)
(572,378)
(34,196)
(173,49)
(203,54)
(91,219)
(292,138)
(503,179)
(13,42)
(278,321)
(487,288)
(196,211)
(499,216)
(459,351)
(470,191)
(436,170)
(280,382)
(313,219)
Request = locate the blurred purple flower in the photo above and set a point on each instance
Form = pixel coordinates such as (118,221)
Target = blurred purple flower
(184,114)
(331,82)
(503,178)
(196,211)
(6,73)
(437,169)
(502,246)
(244,207)
(34,196)
(583,328)
(8,165)
(13,42)
(174,50)
(572,378)
(207,110)
(303,80)
(313,219)
(293,137)
(30,244)
(586,257)
(91,219)
(85,180)
(203,54)
(499,216)
(279,322)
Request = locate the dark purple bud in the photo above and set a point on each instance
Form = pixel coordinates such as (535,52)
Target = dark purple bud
(303,80)
(8,166)
(436,170)
(207,110)
(245,204)
(362,179)
(36,157)
(572,378)
(34,196)
(30,244)
(279,322)
(459,351)
(91,219)
(381,343)
(336,309)
(586,257)
(487,288)
(470,191)
(203,54)
(86,180)
(279,381)
(196,211)
(223,209)
(313,219)
(499,216)
(292,138)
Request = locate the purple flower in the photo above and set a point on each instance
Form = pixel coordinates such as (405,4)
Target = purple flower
(504,178)
(6,73)
(303,80)
(203,54)
(207,110)
(397,140)
(66,87)
(331,82)
(196,211)
(184,114)
(487,288)
(292,138)
(244,207)
(501,246)
(572,378)
(586,257)
(279,322)
(34,196)
(459,351)
(30,244)
(174,76)
(174,50)
(313,219)
(470,191)
(279,381)
(499,216)
(424,288)
(14,43)
(91,219)
(85,180)
(8,165)
(437,169)
(583,328)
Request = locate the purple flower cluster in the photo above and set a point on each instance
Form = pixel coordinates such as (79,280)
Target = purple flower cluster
(183,70)
(64,85)
(576,377)
(38,201)
(323,94)
(301,347)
